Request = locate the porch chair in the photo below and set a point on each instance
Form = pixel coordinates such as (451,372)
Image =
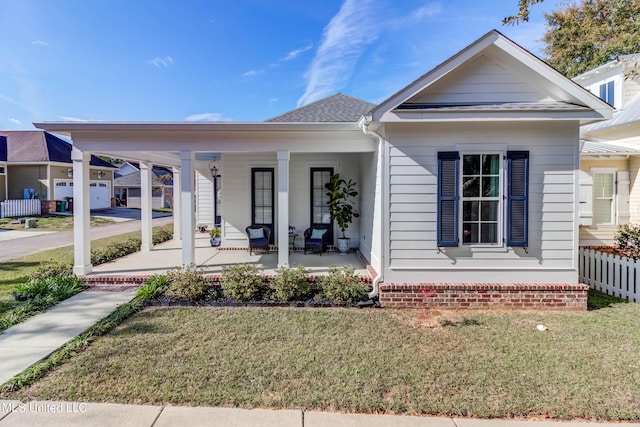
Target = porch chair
(258,237)
(316,238)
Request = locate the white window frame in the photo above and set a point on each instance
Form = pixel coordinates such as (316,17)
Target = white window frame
(614,196)
(500,198)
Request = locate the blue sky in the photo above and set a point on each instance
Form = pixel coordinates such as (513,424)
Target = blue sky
(240,60)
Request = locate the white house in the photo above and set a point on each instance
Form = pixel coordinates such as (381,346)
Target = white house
(468,177)
(610,157)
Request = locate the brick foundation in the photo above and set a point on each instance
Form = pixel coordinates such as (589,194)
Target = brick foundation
(556,296)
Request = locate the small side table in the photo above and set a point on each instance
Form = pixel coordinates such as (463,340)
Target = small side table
(292,240)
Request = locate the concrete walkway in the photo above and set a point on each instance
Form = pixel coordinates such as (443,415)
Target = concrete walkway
(34,339)
(28,245)
(49,413)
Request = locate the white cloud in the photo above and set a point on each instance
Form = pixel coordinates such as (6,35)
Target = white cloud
(165,62)
(349,31)
(14,121)
(207,117)
(273,100)
(294,53)
(249,73)
(71,119)
(425,11)
(40,43)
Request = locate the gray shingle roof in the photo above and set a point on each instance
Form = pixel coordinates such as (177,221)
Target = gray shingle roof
(158,175)
(335,108)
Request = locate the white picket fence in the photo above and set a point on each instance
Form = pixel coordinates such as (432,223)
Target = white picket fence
(10,208)
(611,274)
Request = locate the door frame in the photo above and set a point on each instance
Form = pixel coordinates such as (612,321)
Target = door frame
(273,202)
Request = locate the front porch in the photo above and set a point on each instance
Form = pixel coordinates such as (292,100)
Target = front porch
(135,268)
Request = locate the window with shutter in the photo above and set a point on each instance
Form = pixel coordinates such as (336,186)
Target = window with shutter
(448,198)
(517,198)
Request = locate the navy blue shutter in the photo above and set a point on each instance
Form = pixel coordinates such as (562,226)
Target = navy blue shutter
(448,198)
(517,198)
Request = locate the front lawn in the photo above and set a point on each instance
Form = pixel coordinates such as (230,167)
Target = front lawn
(18,270)
(50,222)
(382,361)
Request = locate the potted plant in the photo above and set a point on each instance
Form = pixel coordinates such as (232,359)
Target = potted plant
(215,233)
(341,195)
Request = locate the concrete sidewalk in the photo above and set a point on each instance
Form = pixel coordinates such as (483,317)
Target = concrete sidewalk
(49,413)
(34,339)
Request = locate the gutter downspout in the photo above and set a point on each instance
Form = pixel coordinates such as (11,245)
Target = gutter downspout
(364,125)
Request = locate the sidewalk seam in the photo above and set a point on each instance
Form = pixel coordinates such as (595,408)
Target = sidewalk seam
(157,416)
(302,417)
(454,422)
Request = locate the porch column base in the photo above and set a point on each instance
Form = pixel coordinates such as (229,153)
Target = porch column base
(82,270)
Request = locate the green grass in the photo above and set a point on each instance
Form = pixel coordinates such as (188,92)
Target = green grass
(51,222)
(470,364)
(18,270)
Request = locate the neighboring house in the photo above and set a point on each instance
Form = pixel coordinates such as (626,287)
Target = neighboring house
(127,187)
(3,168)
(467,177)
(610,158)
(38,165)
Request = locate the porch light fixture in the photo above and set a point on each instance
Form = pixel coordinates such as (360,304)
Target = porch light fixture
(100,174)
(213,168)
(70,173)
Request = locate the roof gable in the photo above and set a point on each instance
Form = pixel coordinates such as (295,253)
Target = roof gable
(495,75)
(335,108)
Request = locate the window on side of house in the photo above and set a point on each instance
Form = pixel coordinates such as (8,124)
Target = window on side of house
(1,170)
(473,198)
(607,92)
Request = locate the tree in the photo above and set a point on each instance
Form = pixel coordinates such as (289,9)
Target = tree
(590,33)
(524,6)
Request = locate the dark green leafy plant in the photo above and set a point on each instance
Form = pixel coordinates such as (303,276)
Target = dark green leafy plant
(241,281)
(341,195)
(342,285)
(50,269)
(290,283)
(153,287)
(186,283)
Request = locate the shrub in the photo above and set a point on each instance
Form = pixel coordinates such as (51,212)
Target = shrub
(162,235)
(115,250)
(58,287)
(342,285)
(241,281)
(291,283)
(186,283)
(628,236)
(50,269)
(153,287)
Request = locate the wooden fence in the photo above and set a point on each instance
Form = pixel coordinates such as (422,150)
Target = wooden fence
(10,208)
(611,274)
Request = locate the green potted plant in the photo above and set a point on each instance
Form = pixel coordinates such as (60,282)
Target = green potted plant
(215,234)
(341,195)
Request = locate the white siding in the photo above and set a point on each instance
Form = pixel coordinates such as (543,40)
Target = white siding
(634,190)
(371,213)
(204,199)
(481,80)
(413,252)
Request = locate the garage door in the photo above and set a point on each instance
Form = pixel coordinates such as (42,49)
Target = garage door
(100,192)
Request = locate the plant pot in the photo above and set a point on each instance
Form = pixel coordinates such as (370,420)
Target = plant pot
(343,245)
(20,297)
(215,241)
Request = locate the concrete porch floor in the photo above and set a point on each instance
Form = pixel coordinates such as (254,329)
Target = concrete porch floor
(168,255)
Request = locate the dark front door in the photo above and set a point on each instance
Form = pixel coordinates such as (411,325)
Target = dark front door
(262,205)
(320,200)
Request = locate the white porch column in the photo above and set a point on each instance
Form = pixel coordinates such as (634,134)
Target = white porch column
(188,220)
(177,205)
(283,208)
(81,213)
(146,208)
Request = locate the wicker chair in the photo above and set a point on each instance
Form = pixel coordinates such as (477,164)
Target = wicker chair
(257,239)
(313,243)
